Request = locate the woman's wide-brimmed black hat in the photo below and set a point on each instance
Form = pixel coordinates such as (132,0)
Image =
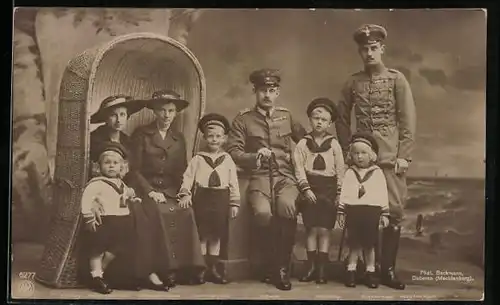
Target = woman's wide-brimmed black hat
(119,100)
(165,97)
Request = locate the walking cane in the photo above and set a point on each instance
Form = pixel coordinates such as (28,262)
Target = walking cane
(275,227)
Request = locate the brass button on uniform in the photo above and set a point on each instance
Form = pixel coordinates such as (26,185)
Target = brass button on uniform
(172,224)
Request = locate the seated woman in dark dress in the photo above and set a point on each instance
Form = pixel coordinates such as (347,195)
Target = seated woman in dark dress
(159,159)
(145,259)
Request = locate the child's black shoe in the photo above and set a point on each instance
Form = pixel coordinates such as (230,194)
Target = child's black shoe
(371,280)
(350,278)
(99,285)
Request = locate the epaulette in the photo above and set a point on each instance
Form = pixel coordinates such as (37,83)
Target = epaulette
(357,73)
(246,110)
(393,71)
(282,108)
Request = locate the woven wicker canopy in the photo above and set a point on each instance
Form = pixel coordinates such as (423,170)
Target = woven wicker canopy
(137,65)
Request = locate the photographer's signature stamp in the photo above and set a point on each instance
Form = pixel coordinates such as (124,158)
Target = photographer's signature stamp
(25,287)
(442,276)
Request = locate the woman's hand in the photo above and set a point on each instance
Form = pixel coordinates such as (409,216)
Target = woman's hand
(309,195)
(341,220)
(234,211)
(185,202)
(157,197)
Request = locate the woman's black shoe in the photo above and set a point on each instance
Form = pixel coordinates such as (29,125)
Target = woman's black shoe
(350,279)
(170,281)
(157,287)
(99,285)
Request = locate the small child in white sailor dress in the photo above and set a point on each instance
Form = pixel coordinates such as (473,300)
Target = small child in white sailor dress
(319,167)
(364,203)
(210,182)
(104,207)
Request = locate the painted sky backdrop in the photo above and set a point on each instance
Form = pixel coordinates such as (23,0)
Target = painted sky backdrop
(442,53)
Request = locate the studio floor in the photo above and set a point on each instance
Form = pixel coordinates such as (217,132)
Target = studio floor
(25,257)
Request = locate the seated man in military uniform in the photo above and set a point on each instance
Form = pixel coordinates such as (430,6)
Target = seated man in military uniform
(260,143)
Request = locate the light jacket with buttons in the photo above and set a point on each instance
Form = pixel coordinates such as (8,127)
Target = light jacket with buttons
(383,105)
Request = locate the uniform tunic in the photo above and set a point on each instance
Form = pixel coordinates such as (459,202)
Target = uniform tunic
(252,130)
(158,165)
(211,203)
(384,106)
(324,182)
(363,199)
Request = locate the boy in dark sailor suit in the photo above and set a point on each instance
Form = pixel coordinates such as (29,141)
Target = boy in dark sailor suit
(210,184)
(319,168)
(259,138)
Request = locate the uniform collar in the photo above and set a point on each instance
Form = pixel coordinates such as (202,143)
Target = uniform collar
(211,155)
(376,70)
(371,167)
(327,137)
(263,112)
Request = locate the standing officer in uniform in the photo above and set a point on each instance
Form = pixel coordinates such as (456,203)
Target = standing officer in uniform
(261,136)
(383,105)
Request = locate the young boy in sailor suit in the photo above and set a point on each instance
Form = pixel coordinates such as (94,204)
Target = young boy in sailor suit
(319,167)
(210,184)
(363,206)
(106,214)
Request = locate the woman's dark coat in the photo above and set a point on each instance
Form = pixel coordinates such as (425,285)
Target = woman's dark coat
(158,165)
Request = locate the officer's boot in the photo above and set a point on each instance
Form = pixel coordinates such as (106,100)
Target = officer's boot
(214,274)
(265,245)
(286,229)
(322,265)
(390,245)
(310,274)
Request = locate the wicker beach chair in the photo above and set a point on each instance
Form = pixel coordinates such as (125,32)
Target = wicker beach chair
(136,64)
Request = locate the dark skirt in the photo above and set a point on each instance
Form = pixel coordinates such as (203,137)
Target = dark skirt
(211,208)
(362,224)
(112,235)
(148,253)
(322,214)
(180,234)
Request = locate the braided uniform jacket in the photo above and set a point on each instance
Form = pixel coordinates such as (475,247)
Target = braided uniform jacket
(383,106)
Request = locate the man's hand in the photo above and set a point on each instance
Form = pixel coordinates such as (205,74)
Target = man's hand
(185,202)
(401,166)
(341,220)
(264,153)
(309,195)
(234,211)
(288,209)
(157,197)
